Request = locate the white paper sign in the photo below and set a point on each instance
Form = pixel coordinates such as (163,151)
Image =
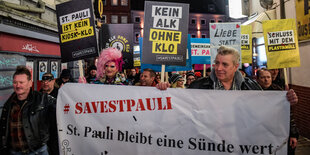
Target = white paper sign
(104,119)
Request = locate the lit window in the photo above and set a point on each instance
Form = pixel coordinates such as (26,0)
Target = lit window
(114,2)
(124,20)
(114,19)
(103,19)
(137,35)
(124,2)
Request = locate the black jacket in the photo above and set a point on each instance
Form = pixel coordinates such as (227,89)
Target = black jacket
(39,122)
(241,83)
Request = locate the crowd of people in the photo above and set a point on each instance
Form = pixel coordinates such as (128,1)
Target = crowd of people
(28,121)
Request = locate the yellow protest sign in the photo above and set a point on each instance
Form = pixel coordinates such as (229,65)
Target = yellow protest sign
(165,41)
(281,43)
(246,43)
(303,19)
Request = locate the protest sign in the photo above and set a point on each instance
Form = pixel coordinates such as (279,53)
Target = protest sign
(303,19)
(106,119)
(227,34)
(119,36)
(246,43)
(168,68)
(165,33)
(76,30)
(281,43)
(200,50)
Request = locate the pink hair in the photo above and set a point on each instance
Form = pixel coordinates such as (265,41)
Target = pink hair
(109,55)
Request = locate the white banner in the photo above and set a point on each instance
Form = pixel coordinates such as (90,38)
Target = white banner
(115,120)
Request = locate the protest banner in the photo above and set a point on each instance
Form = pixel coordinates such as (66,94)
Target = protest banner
(227,34)
(76,30)
(281,43)
(200,50)
(165,33)
(118,36)
(132,120)
(303,19)
(246,43)
(168,68)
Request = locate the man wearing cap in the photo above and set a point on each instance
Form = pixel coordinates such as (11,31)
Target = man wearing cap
(48,85)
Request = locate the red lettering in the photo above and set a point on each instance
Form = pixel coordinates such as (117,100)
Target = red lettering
(130,104)
(78,108)
(87,108)
(95,106)
(169,103)
(140,105)
(121,106)
(148,104)
(160,105)
(103,105)
(112,106)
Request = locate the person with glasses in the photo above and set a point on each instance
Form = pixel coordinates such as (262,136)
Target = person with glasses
(48,85)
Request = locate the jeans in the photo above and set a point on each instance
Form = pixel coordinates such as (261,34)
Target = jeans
(40,151)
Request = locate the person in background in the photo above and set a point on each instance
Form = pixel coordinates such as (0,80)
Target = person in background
(65,77)
(277,78)
(109,67)
(28,120)
(176,81)
(92,71)
(264,78)
(157,77)
(48,85)
(190,77)
(133,77)
(147,78)
(208,71)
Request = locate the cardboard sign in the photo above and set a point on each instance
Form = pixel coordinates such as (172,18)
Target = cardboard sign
(165,33)
(76,30)
(119,36)
(200,50)
(135,120)
(281,43)
(227,34)
(246,43)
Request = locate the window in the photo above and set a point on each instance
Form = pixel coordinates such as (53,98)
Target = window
(137,20)
(124,20)
(114,2)
(202,21)
(203,36)
(104,2)
(193,21)
(124,2)
(212,21)
(219,21)
(114,19)
(103,19)
(193,35)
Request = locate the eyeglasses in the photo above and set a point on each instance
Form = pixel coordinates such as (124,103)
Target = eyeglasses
(49,80)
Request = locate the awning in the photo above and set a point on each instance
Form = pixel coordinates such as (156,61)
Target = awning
(256,22)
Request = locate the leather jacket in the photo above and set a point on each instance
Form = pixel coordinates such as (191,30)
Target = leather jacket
(39,122)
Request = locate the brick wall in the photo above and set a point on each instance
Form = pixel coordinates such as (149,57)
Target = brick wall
(302,110)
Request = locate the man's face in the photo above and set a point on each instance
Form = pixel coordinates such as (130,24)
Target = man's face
(146,79)
(274,73)
(190,79)
(133,72)
(225,68)
(264,79)
(48,85)
(21,84)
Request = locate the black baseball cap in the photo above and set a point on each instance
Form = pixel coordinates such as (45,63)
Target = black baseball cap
(48,76)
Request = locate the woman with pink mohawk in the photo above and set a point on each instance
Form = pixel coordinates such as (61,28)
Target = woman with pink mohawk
(109,64)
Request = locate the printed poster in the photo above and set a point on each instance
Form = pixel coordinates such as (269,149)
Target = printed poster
(246,43)
(54,68)
(119,36)
(303,19)
(281,43)
(200,50)
(135,120)
(165,33)
(227,34)
(76,30)
(42,68)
